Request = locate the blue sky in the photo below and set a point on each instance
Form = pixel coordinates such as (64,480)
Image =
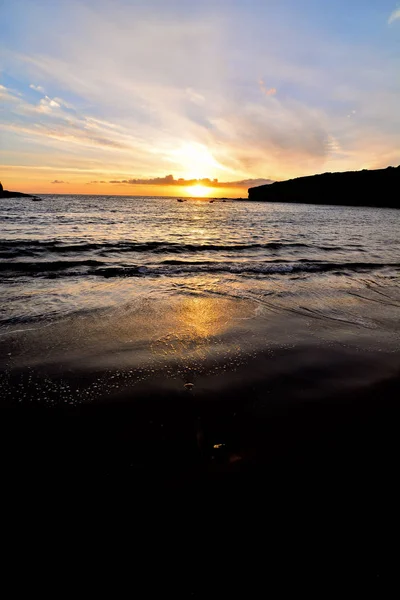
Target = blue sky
(130,89)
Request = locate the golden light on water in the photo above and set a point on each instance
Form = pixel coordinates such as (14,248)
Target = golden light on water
(194,327)
(202,317)
(199,191)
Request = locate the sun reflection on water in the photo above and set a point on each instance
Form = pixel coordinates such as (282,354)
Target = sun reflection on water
(196,326)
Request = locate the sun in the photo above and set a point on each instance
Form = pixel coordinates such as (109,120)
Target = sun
(198,191)
(195,160)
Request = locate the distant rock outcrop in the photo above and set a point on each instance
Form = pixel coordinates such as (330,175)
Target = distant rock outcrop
(7,194)
(378,188)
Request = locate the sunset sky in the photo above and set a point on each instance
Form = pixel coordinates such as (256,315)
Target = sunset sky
(131,96)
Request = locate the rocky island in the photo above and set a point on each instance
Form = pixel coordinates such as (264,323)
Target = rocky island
(9,194)
(378,188)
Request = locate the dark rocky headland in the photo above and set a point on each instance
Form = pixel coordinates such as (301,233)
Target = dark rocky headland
(378,188)
(9,194)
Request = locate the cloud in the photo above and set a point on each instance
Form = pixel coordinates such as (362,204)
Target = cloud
(46,105)
(170,180)
(278,138)
(57,120)
(140,101)
(57,181)
(246,183)
(394,16)
(37,88)
(167,180)
(194,96)
(65,133)
(8,95)
(267,91)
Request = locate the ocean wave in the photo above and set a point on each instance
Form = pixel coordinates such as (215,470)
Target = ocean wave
(103,269)
(272,268)
(45,266)
(16,248)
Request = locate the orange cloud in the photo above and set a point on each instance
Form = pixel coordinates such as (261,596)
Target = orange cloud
(170,180)
(265,90)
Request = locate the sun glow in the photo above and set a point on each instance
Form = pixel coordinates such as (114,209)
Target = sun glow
(199,191)
(195,160)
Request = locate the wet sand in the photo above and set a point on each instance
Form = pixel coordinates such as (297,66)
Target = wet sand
(198,389)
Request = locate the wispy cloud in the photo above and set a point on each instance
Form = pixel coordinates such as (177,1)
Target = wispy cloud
(194,96)
(58,181)
(8,95)
(267,91)
(59,121)
(37,88)
(46,105)
(180,95)
(394,16)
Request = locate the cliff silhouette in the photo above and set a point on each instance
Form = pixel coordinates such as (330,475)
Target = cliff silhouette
(378,188)
(7,194)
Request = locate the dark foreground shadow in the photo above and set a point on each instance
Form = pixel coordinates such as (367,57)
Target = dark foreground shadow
(174,439)
(307,490)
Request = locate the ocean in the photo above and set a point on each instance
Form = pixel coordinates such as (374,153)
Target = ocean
(202,320)
(70,254)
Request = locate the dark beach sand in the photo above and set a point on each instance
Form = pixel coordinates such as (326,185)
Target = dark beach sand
(251,439)
(328,414)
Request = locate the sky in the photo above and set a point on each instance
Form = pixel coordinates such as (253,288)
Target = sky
(143,97)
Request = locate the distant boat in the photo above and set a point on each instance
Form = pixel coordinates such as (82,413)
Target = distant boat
(180,200)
